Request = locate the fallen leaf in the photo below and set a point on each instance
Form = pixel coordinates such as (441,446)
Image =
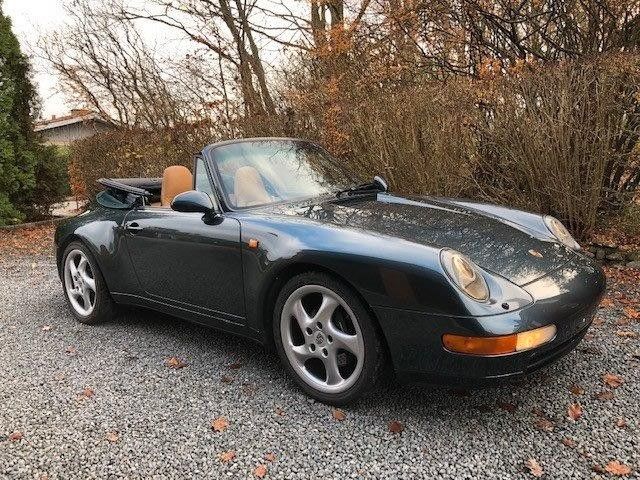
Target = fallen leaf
(614,467)
(569,442)
(269,457)
(626,334)
(226,457)
(607,302)
(16,436)
(395,427)
(235,366)
(621,423)
(60,376)
(112,437)
(544,424)
(598,469)
(507,407)
(220,424)
(279,411)
(534,467)
(226,379)
(176,363)
(613,380)
(338,414)
(260,471)
(71,351)
(575,411)
(576,389)
(86,393)
(46,328)
(604,395)
(631,313)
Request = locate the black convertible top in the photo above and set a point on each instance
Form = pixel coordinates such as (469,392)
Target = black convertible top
(124,193)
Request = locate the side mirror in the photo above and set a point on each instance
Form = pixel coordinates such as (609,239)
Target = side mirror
(192,201)
(381,182)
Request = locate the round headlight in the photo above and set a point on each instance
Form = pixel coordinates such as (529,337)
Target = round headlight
(465,274)
(559,231)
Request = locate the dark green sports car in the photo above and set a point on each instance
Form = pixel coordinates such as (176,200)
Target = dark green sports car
(274,240)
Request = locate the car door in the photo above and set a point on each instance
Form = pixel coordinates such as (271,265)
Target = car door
(188,260)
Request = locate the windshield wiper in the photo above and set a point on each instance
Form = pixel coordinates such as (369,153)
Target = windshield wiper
(378,184)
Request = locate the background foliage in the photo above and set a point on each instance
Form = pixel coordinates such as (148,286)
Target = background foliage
(531,103)
(31,176)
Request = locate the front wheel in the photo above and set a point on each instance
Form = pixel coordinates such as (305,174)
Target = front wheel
(326,338)
(85,289)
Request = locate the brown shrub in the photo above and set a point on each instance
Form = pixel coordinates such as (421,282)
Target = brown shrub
(133,153)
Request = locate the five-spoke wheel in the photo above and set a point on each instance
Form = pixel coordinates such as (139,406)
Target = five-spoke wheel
(327,338)
(84,286)
(79,282)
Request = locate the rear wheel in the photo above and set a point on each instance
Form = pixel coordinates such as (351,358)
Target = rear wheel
(326,338)
(85,289)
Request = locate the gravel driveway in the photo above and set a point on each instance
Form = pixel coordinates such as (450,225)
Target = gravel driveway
(85,402)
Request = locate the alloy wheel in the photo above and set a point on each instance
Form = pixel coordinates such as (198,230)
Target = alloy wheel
(80,283)
(322,339)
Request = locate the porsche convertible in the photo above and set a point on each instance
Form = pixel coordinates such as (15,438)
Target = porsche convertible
(275,240)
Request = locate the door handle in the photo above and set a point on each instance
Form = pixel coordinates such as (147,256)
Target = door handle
(132,227)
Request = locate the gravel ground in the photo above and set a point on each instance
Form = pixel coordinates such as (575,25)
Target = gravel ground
(101,402)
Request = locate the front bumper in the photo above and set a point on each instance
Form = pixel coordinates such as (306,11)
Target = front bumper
(567,297)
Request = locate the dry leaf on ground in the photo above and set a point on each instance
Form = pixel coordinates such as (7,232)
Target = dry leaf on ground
(86,393)
(260,471)
(338,414)
(613,380)
(15,436)
(176,363)
(604,395)
(227,456)
(614,467)
(112,437)
(507,407)
(395,427)
(544,424)
(534,467)
(569,442)
(220,424)
(576,389)
(574,411)
(631,313)
(269,457)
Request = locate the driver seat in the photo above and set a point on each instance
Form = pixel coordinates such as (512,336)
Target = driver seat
(176,179)
(249,188)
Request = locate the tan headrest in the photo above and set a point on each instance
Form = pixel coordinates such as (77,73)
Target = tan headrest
(175,179)
(249,188)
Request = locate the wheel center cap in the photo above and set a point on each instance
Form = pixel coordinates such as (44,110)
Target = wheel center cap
(319,338)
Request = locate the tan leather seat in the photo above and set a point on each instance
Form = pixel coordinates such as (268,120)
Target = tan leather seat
(175,179)
(249,188)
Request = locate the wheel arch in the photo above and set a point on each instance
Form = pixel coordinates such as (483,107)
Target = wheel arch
(286,273)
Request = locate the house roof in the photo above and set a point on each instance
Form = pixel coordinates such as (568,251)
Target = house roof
(76,116)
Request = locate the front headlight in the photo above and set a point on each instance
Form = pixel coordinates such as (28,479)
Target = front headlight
(559,231)
(465,274)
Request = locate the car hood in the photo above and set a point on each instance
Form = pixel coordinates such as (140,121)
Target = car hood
(496,244)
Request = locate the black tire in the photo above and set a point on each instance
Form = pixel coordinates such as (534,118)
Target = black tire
(104,307)
(374,351)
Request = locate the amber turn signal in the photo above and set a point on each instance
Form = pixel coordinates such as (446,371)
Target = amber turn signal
(517,342)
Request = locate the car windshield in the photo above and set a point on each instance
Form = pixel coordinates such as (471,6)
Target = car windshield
(259,172)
